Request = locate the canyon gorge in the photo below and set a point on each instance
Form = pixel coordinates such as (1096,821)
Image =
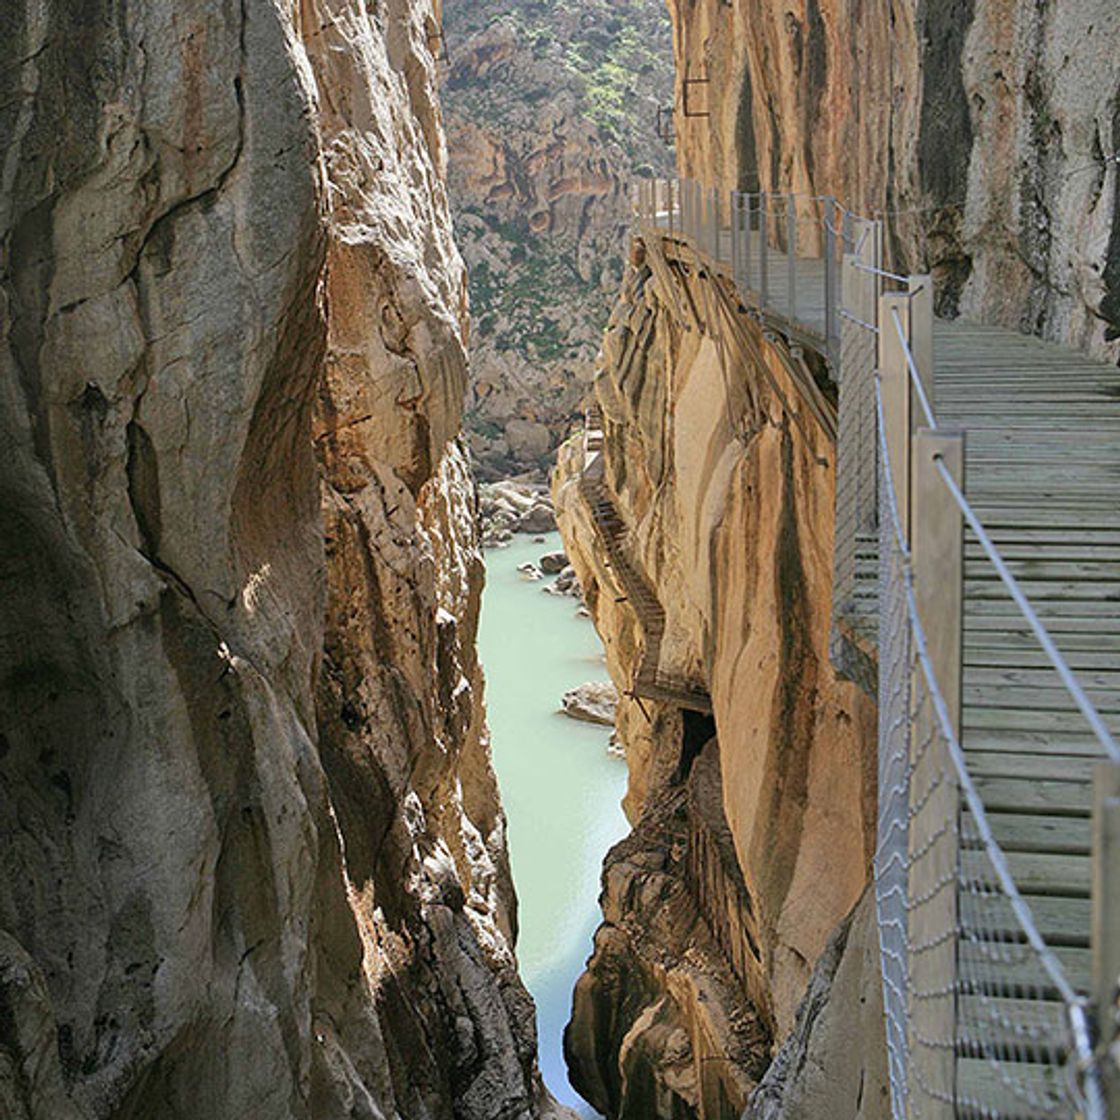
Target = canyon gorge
(551,112)
(253,854)
(698,510)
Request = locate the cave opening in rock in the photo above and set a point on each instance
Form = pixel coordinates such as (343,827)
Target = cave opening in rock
(697,730)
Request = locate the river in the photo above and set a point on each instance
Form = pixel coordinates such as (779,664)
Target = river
(560,788)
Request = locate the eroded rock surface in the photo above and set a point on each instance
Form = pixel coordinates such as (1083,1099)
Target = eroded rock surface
(593,702)
(727,507)
(253,861)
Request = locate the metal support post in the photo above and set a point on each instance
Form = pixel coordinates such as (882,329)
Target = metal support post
(895,379)
(791,254)
(733,215)
(748,221)
(831,320)
(714,229)
(1106,925)
(937,550)
(763,251)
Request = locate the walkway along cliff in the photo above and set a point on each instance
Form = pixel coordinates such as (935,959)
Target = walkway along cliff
(764,379)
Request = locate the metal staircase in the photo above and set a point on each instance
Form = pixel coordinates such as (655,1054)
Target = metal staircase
(650,681)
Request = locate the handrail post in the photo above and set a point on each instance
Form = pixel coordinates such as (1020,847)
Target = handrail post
(791,254)
(831,322)
(763,251)
(748,222)
(896,394)
(1106,925)
(920,289)
(734,220)
(937,550)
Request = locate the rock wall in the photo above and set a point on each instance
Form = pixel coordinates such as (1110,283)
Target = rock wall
(551,109)
(727,497)
(252,860)
(986,131)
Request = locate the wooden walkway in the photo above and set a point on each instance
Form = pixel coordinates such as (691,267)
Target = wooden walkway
(651,681)
(1043,474)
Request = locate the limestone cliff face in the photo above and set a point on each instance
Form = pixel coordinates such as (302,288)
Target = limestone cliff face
(253,861)
(727,501)
(987,132)
(551,109)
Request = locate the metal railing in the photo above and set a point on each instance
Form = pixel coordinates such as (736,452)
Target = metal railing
(984,1016)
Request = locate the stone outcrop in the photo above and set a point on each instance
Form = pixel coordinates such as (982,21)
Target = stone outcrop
(253,860)
(986,131)
(659,1025)
(550,109)
(593,702)
(821,1068)
(727,498)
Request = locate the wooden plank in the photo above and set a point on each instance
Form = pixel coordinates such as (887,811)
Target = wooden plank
(1006,1027)
(1082,743)
(1015,968)
(1018,1091)
(1035,832)
(1038,873)
(1037,698)
(1043,767)
(1104,679)
(1029,795)
(991,717)
(1060,921)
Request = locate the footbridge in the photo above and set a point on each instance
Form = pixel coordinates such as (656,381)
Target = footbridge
(652,680)
(977,597)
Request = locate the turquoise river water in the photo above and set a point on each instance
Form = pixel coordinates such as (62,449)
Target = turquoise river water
(560,787)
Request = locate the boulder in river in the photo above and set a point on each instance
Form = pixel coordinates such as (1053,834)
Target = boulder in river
(539,519)
(552,563)
(593,702)
(528,571)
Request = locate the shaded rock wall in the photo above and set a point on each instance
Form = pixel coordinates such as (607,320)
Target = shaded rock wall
(985,130)
(551,109)
(252,860)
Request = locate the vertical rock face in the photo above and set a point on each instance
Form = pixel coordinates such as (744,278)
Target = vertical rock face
(986,131)
(252,860)
(727,503)
(551,108)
